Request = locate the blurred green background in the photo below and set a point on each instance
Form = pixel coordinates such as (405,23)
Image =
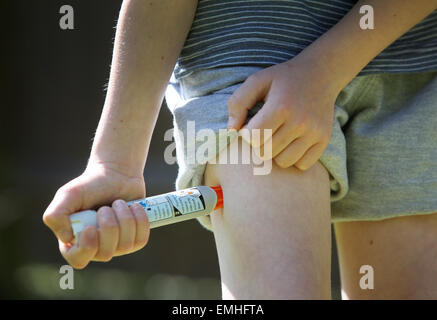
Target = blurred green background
(53,90)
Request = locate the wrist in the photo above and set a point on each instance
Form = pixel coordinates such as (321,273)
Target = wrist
(320,71)
(95,164)
(125,162)
(121,141)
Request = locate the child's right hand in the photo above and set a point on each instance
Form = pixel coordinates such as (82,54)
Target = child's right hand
(122,229)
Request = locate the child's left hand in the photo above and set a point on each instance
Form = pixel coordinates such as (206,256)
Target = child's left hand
(299,108)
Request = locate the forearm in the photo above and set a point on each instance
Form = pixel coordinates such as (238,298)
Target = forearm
(346,49)
(150,35)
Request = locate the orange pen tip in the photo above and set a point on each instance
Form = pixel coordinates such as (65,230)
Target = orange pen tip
(219,192)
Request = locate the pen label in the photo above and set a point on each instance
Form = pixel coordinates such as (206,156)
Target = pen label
(186,201)
(172,204)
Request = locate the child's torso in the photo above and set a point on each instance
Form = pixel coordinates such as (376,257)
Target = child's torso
(267,32)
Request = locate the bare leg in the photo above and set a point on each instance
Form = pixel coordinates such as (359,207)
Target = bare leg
(402,252)
(273,234)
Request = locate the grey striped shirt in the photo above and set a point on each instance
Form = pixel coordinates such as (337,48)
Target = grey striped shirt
(268,32)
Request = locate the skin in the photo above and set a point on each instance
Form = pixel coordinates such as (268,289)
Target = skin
(402,252)
(298,107)
(141,68)
(299,100)
(284,251)
(299,94)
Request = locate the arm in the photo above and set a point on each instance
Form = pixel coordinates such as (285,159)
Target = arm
(150,35)
(300,94)
(347,49)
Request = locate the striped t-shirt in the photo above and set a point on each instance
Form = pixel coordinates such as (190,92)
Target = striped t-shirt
(268,32)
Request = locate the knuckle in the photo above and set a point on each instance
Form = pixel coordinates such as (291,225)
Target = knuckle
(69,188)
(64,189)
(49,218)
(53,221)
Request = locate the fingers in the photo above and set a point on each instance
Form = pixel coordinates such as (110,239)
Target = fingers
(85,248)
(294,123)
(143,227)
(310,157)
(291,142)
(285,135)
(108,234)
(292,153)
(252,90)
(122,230)
(67,200)
(127,227)
(263,125)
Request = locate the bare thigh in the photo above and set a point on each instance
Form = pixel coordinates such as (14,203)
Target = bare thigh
(402,252)
(273,234)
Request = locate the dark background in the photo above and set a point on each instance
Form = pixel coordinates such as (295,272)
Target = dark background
(52,84)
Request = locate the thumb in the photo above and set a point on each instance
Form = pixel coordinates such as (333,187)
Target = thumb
(254,89)
(68,199)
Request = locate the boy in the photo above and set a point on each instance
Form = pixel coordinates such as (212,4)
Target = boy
(348,128)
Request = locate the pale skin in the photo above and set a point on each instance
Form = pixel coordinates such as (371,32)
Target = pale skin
(141,68)
(284,251)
